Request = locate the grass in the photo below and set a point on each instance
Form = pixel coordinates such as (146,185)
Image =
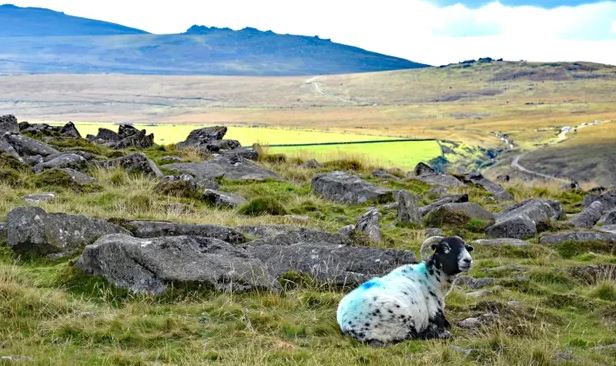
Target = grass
(50,313)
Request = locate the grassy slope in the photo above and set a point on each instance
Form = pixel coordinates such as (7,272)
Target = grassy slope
(51,314)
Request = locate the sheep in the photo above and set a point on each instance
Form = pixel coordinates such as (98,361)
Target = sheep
(408,302)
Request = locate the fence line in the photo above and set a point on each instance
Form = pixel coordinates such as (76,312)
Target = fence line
(347,142)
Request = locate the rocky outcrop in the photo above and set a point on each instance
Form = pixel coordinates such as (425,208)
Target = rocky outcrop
(222,199)
(8,123)
(408,214)
(26,146)
(179,186)
(335,265)
(42,129)
(136,163)
(609,218)
(79,178)
(150,265)
(459,214)
(8,149)
(152,229)
(577,236)
(426,174)
(368,226)
(347,188)
(606,196)
(224,167)
(63,160)
(283,235)
(33,231)
(479,180)
(127,136)
(525,219)
(210,140)
(589,216)
(456,198)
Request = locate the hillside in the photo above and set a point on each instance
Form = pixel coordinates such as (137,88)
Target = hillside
(42,41)
(39,22)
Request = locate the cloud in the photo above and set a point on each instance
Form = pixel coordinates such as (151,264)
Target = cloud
(419,30)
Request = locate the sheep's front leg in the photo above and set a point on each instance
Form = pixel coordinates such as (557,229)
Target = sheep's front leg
(437,327)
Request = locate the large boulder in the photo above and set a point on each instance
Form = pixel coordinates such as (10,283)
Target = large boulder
(8,123)
(26,146)
(43,129)
(152,229)
(70,130)
(455,198)
(525,219)
(33,231)
(126,137)
(408,214)
(347,188)
(286,235)
(224,167)
(8,149)
(606,196)
(151,265)
(203,136)
(577,236)
(609,218)
(104,135)
(136,163)
(426,174)
(459,214)
(368,226)
(479,180)
(589,216)
(179,186)
(222,199)
(335,265)
(63,160)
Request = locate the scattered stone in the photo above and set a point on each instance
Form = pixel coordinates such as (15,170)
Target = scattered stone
(152,229)
(426,174)
(224,167)
(434,231)
(311,164)
(298,219)
(64,160)
(474,323)
(3,233)
(594,273)
(606,196)
(456,198)
(347,188)
(149,265)
(170,159)
(8,123)
(479,293)
(384,174)
(291,235)
(474,283)
(136,163)
(26,146)
(104,135)
(503,178)
(127,136)
(458,214)
(521,220)
(423,169)
(608,228)
(37,198)
(79,178)
(407,208)
(8,149)
(179,186)
(589,216)
(519,227)
(337,265)
(203,136)
(609,218)
(576,236)
(501,241)
(478,179)
(31,230)
(222,199)
(347,231)
(368,225)
(33,160)
(70,130)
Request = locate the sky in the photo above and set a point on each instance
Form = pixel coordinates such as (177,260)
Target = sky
(430,31)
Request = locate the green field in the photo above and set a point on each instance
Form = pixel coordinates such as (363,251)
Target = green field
(404,154)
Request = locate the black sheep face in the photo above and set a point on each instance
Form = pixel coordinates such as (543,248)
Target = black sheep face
(453,255)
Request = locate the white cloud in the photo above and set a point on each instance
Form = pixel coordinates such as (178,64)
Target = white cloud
(414,29)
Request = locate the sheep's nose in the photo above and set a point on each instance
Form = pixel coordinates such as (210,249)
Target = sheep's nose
(467,260)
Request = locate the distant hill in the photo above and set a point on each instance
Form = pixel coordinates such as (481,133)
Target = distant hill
(16,21)
(43,41)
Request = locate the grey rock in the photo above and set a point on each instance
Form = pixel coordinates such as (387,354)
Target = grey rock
(150,265)
(33,231)
(64,160)
(606,196)
(104,135)
(457,198)
(576,236)
(152,229)
(434,231)
(347,231)
(136,163)
(589,216)
(423,169)
(8,123)
(3,233)
(458,214)
(479,180)
(224,167)
(408,214)
(79,178)
(474,283)
(8,149)
(203,136)
(184,185)
(29,147)
(444,180)
(170,159)
(347,188)
(311,164)
(241,152)
(368,225)
(525,219)
(33,160)
(222,199)
(219,145)
(594,272)
(262,231)
(608,228)
(474,323)
(288,236)
(70,130)
(518,227)
(384,174)
(36,198)
(609,218)
(501,241)
(336,265)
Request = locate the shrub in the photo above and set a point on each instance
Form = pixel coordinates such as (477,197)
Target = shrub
(263,206)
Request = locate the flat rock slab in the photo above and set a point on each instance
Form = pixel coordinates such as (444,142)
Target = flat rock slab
(36,198)
(474,283)
(589,216)
(521,220)
(501,241)
(607,228)
(152,229)
(288,235)
(343,187)
(134,164)
(31,230)
(577,236)
(459,214)
(456,198)
(222,199)
(443,180)
(335,265)
(150,265)
(495,189)
(66,160)
(26,146)
(236,168)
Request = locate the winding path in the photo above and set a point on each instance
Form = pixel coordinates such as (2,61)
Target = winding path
(317,88)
